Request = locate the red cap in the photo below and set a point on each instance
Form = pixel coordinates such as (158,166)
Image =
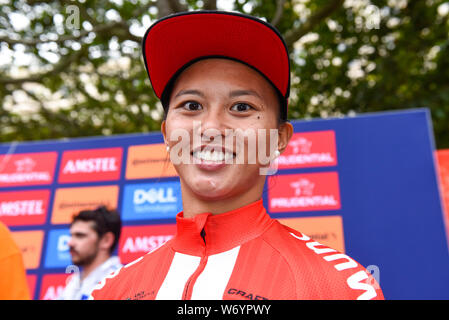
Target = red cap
(176,41)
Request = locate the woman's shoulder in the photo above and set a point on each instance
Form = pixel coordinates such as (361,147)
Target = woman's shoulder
(314,264)
(130,281)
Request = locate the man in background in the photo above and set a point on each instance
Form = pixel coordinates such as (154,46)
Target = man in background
(94,236)
(13,283)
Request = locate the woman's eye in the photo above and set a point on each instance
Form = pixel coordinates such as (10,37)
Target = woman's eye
(241,107)
(192,106)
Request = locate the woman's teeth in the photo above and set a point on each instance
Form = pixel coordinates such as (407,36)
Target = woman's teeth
(208,155)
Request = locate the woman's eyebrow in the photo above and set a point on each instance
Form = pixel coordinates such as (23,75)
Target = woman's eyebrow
(237,93)
(189,91)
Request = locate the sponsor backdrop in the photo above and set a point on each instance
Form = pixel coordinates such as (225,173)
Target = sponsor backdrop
(367,186)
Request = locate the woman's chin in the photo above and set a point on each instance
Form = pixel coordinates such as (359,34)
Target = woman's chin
(210,189)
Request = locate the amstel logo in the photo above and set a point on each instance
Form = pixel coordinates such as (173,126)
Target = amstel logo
(24,207)
(139,240)
(90,165)
(52,286)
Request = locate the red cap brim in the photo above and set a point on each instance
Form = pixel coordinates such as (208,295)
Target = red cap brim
(175,41)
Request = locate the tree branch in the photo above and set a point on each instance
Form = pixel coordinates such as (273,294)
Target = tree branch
(123,32)
(293,35)
(97,29)
(176,6)
(210,5)
(139,11)
(279,11)
(163,8)
(53,117)
(86,15)
(59,67)
(82,89)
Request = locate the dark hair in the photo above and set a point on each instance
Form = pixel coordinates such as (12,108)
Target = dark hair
(165,96)
(104,221)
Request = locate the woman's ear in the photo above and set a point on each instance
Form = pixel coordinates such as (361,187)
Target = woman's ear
(285,133)
(163,130)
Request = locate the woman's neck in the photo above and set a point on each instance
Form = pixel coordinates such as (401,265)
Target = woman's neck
(193,205)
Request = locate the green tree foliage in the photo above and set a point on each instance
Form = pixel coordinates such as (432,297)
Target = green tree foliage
(74,68)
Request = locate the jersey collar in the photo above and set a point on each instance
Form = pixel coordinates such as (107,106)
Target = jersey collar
(207,234)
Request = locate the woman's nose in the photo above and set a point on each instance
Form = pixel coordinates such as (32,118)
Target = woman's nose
(212,125)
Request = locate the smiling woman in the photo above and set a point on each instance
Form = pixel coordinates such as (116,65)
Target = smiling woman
(222,96)
(222,75)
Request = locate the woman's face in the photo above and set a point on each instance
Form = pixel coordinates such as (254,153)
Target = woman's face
(218,128)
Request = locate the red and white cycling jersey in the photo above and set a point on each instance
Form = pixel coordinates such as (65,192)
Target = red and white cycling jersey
(241,254)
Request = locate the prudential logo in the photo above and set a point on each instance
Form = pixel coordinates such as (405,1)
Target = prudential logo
(150,201)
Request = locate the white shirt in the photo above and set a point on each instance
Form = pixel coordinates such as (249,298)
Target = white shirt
(81,290)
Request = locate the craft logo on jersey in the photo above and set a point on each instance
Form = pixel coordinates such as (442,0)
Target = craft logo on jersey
(58,254)
(24,207)
(161,200)
(304,192)
(136,241)
(27,169)
(309,149)
(90,165)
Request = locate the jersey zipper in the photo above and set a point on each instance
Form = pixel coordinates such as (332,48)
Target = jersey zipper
(188,289)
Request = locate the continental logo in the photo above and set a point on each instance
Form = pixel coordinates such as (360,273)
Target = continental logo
(69,201)
(30,244)
(304,192)
(327,230)
(136,241)
(90,165)
(309,149)
(148,161)
(24,207)
(27,169)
